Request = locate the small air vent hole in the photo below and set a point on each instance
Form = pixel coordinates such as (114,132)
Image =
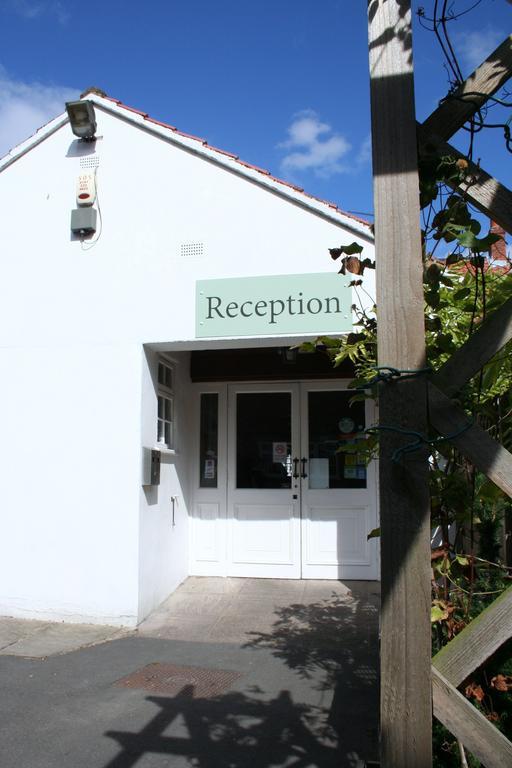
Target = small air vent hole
(91,161)
(192,249)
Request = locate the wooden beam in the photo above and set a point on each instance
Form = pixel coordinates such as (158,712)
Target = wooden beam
(483,451)
(485,192)
(469,725)
(406,709)
(477,641)
(481,346)
(460,106)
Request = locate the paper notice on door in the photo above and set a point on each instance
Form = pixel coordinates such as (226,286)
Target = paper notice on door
(279,452)
(209,469)
(319,473)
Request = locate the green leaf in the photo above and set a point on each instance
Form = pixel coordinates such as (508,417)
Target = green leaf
(437,614)
(433,323)
(469,240)
(475,226)
(444,342)
(462,560)
(432,298)
(443,567)
(432,275)
(341,356)
(374,534)
(489,492)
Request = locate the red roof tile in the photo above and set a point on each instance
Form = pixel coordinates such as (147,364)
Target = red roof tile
(223,152)
(159,122)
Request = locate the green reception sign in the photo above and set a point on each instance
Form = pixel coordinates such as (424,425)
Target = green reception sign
(278,304)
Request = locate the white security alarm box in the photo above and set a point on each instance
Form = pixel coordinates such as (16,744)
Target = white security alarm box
(86,189)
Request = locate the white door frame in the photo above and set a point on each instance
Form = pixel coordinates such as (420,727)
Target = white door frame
(213,530)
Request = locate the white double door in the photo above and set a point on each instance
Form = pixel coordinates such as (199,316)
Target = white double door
(295,506)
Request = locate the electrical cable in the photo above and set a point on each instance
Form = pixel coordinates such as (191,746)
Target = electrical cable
(87,245)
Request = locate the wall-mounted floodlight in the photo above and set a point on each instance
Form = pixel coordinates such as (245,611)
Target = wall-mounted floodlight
(82,119)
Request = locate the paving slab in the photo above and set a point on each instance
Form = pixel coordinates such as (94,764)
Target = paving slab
(14,630)
(248,608)
(191,603)
(253,606)
(282,587)
(212,585)
(40,639)
(192,628)
(323,589)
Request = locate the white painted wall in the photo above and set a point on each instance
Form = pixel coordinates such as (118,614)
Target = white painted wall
(81,540)
(134,284)
(68,549)
(163,548)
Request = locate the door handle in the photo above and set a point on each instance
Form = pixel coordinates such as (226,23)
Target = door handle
(303,462)
(295,469)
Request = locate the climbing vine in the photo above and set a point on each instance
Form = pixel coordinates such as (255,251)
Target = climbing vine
(462,284)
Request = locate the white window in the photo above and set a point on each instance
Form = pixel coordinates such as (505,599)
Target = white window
(165,425)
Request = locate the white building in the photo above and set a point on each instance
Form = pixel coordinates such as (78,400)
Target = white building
(168,328)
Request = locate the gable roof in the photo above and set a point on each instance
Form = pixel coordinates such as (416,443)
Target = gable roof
(199,147)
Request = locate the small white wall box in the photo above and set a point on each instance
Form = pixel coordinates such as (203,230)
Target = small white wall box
(83,221)
(85,189)
(150,466)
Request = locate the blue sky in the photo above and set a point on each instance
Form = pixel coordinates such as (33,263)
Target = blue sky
(283,83)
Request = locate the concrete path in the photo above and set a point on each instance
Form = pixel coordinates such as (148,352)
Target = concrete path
(39,639)
(226,674)
(237,610)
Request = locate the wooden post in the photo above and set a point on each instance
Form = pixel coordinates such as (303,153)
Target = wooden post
(406,704)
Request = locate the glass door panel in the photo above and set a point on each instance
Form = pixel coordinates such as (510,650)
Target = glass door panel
(263,440)
(333,422)
(208,439)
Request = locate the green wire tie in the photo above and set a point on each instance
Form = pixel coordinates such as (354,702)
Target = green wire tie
(387,373)
(420,439)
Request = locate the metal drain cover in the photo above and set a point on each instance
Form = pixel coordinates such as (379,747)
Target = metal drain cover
(201,683)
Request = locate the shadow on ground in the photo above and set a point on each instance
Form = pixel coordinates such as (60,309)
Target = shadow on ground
(333,644)
(338,637)
(230,731)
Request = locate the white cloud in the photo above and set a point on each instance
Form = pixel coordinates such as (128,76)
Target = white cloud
(313,146)
(474,47)
(25,107)
(34,9)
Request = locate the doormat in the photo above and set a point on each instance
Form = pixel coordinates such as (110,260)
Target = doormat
(198,682)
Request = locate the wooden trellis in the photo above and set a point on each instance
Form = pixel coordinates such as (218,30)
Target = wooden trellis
(407,674)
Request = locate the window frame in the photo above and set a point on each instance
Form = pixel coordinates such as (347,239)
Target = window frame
(166,395)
